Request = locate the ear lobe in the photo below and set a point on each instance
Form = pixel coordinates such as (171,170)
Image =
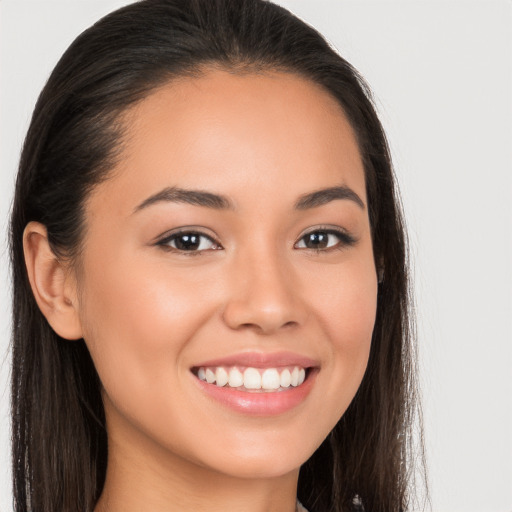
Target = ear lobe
(52,286)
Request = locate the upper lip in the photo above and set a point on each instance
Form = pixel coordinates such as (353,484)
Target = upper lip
(262,360)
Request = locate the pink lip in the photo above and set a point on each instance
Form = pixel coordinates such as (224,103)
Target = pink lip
(262,360)
(259,403)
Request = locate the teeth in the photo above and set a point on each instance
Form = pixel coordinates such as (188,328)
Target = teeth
(236,379)
(286,378)
(268,379)
(210,376)
(221,377)
(295,377)
(252,378)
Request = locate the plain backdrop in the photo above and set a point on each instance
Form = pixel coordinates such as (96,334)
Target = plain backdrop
(442,76)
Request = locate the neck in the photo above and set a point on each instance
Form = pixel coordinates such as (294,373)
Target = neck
(143,476)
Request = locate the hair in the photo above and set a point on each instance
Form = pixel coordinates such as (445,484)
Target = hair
(58,426)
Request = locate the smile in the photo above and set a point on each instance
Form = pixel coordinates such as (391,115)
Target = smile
(250,379)
(257,384)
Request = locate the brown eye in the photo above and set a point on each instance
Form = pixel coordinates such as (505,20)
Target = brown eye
(317,240)
(325,239)
(189,241)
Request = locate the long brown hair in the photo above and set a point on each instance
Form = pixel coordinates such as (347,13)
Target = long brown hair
(59,439)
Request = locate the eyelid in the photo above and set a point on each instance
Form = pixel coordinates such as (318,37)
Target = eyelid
(164,240)
(345,238)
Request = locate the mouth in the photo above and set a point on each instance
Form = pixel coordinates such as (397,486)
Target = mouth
(257,384)
(253,380)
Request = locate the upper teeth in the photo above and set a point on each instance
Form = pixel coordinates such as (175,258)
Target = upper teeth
(253,378)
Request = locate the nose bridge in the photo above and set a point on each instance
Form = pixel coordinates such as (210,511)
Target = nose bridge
(264,292)
(270,277)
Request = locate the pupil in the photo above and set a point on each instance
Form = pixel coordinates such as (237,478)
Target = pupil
(187,242)
(317,240)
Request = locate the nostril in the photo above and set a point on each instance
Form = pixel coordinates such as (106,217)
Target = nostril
(266,327)
(251,315)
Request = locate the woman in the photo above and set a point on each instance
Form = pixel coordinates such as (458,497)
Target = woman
(210,287)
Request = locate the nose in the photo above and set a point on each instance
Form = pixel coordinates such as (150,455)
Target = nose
(265,295)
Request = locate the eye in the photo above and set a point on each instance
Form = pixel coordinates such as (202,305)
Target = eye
(323,239)
(188,241)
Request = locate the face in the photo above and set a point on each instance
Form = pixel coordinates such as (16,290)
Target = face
(227,284)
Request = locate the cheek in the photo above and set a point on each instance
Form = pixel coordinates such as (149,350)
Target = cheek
(347,303)
(346,310)
(356,318)
(137,319)
(356,322)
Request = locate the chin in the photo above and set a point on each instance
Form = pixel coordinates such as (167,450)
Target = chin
(266,459)
(260,469)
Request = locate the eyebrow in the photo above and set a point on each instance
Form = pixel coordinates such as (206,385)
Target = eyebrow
(326,195)
(195,197)
(220,202)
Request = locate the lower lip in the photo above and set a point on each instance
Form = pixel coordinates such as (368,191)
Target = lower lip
(260,403)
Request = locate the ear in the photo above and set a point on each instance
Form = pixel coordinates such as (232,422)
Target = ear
(53,285)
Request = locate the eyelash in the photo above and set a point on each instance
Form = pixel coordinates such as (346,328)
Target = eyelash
(164,242)
(345,240)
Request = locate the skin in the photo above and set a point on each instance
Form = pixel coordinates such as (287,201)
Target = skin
(149,313)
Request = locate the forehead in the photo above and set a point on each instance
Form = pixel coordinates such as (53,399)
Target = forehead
(231,132)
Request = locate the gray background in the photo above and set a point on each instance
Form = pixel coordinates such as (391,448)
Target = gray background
(442,76)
